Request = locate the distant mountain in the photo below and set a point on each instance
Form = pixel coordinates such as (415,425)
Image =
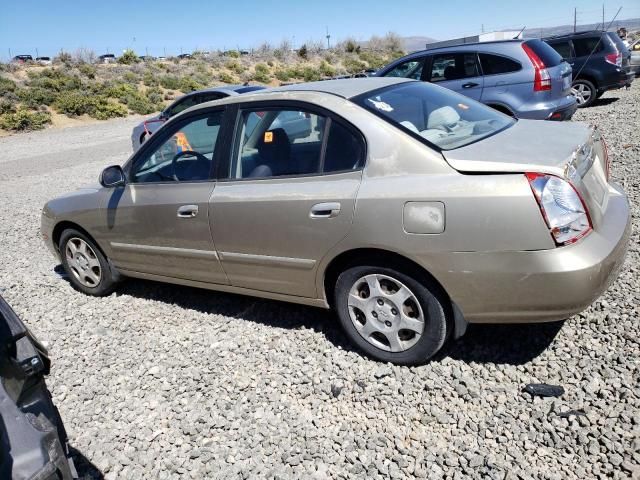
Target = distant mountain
(416,43)
(631,24)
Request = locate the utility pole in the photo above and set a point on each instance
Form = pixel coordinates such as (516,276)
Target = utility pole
(328,39)
(482,28)
(603,17)
(37,54)
(10,57)
(575,17)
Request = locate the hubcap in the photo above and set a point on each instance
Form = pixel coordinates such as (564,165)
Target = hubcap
(386,312)
(581,92)
(83,262)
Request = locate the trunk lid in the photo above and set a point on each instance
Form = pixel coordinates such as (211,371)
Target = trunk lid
(573,151)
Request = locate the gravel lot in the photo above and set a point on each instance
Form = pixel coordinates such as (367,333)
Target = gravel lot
(160,381)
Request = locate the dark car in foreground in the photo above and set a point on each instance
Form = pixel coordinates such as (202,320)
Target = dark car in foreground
(33,442)
(522,78)
(143,130)
(600,62)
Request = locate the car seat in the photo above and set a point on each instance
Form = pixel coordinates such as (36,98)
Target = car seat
(274,154)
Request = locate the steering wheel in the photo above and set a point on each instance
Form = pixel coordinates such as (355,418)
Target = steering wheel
(185,153)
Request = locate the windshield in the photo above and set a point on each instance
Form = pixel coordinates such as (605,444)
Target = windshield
(444,118)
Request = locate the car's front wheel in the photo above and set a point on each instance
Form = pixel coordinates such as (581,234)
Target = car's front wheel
(85,265)
(390,315)
(584,92)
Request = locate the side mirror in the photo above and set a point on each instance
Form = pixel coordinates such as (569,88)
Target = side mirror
(112,176)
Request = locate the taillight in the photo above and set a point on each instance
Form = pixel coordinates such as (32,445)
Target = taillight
(562,207)
(614,59)
(607,161)
(541,78)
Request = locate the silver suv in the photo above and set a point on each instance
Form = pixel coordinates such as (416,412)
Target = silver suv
(522,78)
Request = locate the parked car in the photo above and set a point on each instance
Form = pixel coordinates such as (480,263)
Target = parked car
(634,61)
(43,60)
(107,58)
(143,130)
(409,209)
(22,58)
(600,63)
(33,441)
(522,78)
(184,56)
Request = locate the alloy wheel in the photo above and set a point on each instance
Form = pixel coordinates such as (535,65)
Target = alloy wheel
(386,313)
(83,262)
(581,92)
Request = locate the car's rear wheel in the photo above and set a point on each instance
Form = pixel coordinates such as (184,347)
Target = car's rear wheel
(85,265)
(584,92)
(390,315)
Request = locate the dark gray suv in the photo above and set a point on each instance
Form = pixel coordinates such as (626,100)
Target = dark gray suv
(522,78)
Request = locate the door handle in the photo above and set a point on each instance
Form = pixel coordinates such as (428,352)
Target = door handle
(187,211)
(325,210)
(469,85)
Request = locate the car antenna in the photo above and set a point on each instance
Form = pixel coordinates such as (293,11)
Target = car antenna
(519,33)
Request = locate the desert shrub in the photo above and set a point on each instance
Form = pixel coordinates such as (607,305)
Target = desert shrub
(7,106)
(105,109)
(326,70)
(235,66)
(189,84)
(154,95)
(141,104)
(88,70)
(121,91)
(24,119)
(233,54)
(303,52)
(373,59)
(170,82)
(64,58)
(150,80)
(34,97)
(6,85)
(262,73)
(282,74)
(353,65)
(226,77)
(55,79)
(351,46)
(130,77)
(73,104)
(310,74)
(128,57)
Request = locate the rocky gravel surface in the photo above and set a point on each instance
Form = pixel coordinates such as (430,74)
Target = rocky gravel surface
(159,381)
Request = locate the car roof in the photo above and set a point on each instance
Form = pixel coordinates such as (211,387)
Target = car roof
(576,34)
(227,89)
(345,88)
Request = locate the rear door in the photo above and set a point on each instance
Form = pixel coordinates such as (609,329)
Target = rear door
(457,71)
(284,199)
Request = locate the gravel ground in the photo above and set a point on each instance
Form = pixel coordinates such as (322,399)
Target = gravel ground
(159,381)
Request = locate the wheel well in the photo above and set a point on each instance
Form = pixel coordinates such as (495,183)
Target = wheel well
(588,78)
(501,108)
(142,136)
(62,226)
(381,258)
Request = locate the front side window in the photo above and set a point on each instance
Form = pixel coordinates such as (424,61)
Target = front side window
(443,118)
(496,64)
(453,66)
(185,156)
(410,69)
(563,48)
(587,46)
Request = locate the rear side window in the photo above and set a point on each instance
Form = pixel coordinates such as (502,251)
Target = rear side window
(453,66)
(410,69)
(345,150)
(548,55)
(587,46)
(495,64)
(563,48)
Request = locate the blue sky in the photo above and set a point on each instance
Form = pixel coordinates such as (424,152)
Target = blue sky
(157,25)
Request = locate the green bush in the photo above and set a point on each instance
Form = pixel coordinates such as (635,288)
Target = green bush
(34,97)
(154,95)
(170,82)
(105,108)
(226,77)
(310,74)
(303,53)
(6,106)
(142,105)
(6,85)
(373,59)
(74,103)
(353,65)
(128,57)
(150,80)
(189,84)
(130,77)
(262,73)
(282,74)
(235,66)
(88,71)
(121,91)
(24,120)
(233,54)
(56,79)
(326,70)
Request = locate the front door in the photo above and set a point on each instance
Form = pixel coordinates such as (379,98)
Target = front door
(288,198)
(456,71)
(159,222)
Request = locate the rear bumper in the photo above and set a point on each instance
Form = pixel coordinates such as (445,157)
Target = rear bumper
(545,285)
(562,109)
(622,79)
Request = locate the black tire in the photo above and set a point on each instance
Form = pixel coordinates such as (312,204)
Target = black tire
(430,300)
(589,90)
(106,283)
(600,93)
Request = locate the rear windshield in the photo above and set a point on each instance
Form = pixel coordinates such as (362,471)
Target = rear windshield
(548,55)
(442,118)
(620,46)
